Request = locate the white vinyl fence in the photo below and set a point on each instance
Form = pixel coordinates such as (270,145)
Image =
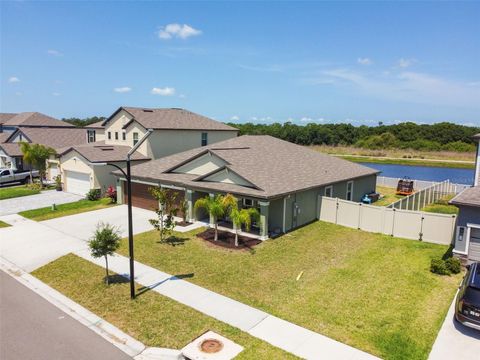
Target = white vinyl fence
(424,197)
(415,225)
(418,184)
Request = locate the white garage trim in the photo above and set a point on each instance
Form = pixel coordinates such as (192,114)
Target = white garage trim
(77,182)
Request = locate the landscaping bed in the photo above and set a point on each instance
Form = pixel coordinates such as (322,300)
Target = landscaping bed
(151,318)
(76,207)
(371,291)
(226,239)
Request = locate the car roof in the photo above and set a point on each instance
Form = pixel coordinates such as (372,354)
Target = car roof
(474,278)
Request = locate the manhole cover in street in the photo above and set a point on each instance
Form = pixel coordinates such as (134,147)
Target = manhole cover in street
(211,346)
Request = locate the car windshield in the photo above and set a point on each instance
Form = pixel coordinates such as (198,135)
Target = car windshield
(475,278)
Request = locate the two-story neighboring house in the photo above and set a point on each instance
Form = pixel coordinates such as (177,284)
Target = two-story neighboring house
(38,128)
(467,239)
(85,167)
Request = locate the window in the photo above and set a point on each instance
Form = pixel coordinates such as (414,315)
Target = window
(90,136)
(135,138)
(204,139)
(460,233)
(116,135)
(329,191)
(124,136)
(349,191)
(109,135)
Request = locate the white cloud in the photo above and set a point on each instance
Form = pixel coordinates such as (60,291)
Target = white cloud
(123,89)
(166,91)
(234,118)
(54,52)
(364,61)
(13,79)
(306,119)
(56,94)
(177,31)
(404,63)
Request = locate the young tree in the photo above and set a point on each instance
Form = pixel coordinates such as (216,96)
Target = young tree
(166,211)
(37,155)
(216,207)
(104,242)
(241,217)
(183,208)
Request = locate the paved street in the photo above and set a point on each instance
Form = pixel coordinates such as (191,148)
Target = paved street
(44,199)
(32,328)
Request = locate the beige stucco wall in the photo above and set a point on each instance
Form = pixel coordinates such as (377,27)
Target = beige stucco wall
(115,125)
(73,161)
(99,134)
(167,142)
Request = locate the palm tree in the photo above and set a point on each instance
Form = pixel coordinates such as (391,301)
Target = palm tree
(215,206)
(37,155)
(27,152)
(241,217)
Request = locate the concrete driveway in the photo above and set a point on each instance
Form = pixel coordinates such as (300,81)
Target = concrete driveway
(30,244)
(44,199)
(455,341)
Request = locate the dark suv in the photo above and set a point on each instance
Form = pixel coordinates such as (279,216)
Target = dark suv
(467,309)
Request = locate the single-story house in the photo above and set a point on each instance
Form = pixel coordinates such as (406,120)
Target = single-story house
(467,239)
(284,181)
(174,130)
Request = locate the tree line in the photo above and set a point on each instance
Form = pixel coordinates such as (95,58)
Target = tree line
(439,136)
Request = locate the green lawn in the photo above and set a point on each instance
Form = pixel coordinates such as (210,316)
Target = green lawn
(66,209)
(442,206)
(3,224)
(388,196)
(151,318)
(16,191)
(368,290)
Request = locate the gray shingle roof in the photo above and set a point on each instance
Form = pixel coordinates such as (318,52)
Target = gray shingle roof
(469,197)
(173,119)
(11,149)
(55,137)
(35,119)
(274,166)
(99,152)
(4,117)
(477,136)
(97,125)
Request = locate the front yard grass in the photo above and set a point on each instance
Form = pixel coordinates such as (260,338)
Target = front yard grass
(3,224)
(371,291)
(152,318)
(16,191)
(76,207)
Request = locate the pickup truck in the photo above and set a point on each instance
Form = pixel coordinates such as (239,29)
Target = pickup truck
(10,176)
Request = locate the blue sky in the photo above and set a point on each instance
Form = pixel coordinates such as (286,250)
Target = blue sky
(356,62)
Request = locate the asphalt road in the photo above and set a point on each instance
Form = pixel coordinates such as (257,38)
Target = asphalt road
(32,328)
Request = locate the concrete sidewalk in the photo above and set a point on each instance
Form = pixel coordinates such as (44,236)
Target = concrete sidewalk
(44,199)
(280,333)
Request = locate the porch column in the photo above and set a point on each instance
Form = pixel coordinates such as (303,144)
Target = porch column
(189,198)
(264,205)
(120,185)
(212,220)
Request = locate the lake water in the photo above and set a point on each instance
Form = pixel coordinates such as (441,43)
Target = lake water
(455,175)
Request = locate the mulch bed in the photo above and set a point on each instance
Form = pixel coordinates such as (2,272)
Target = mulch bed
(227,240)
(183,223)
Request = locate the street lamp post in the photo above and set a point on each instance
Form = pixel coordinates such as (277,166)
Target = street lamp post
(129,207)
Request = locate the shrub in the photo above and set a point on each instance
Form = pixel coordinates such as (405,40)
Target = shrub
(94,194)
(453,265)
(112,194)
(35,186)
(459,146)
(439,266)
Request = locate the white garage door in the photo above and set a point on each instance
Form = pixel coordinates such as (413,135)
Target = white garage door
(77,183)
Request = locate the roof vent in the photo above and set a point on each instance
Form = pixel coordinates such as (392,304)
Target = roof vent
(147,110)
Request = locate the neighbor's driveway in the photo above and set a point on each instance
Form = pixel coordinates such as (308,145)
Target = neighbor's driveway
(44,199)
(30,244)
(455,341)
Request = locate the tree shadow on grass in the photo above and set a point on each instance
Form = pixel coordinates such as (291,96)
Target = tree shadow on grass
(145,289)
(116,279)
(448,253)
(174,240)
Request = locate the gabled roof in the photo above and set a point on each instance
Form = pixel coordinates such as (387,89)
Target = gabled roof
(275,167)
(96,125)
(35,119)
(11,149)
(171,119)
(468,197)
(54,137)
(477,136)
(99,152)
(4,136)
(4,117)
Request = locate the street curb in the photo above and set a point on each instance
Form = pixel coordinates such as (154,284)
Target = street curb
(112,334)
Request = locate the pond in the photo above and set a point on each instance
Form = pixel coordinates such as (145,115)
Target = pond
(455,175)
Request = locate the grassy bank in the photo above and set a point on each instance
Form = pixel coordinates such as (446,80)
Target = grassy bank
(410,162)
(371,291)
(151,318)
(76,207)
